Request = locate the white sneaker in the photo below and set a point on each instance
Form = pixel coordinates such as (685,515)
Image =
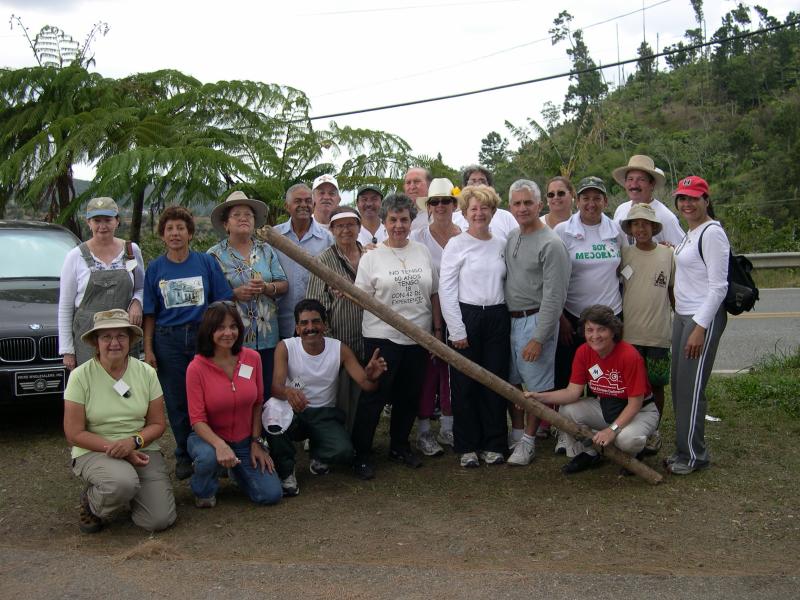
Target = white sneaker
(523,454)
(512,443)
(317,467)
(289,485)
(469,460)
(493,458)
(428,445)
(561,443)
(445,437)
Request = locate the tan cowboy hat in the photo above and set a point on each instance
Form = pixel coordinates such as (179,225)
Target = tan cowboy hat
(640,210)
(639,162)
(439,188)
(258,207)
(111,319)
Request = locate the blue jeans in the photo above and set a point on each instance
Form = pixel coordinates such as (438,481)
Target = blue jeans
(261,488)
(175,348)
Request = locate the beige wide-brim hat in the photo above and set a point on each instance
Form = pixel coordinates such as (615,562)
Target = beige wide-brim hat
(257,206)
(639,162)
(641,211)
(111,319)
(439,188)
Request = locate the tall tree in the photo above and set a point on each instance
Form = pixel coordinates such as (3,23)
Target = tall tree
(494,151)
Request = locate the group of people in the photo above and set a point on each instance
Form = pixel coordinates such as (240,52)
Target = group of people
(250,352)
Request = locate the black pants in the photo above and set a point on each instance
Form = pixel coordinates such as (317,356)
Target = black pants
(566,354)
(479,414)
(399,386)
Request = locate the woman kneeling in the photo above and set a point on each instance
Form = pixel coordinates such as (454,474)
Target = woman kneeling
(623,412)
(113,415)
(225,390)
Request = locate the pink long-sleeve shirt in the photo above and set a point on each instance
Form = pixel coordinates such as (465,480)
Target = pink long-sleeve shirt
(225,404)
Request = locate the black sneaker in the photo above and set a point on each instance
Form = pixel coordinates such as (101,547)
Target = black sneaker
(363,470)
(88,522)
(582,462)
(183,469)
(405,457)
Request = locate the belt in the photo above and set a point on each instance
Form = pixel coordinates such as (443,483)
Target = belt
(519,314)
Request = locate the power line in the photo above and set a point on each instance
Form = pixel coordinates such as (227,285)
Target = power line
(505,86)
(485,56)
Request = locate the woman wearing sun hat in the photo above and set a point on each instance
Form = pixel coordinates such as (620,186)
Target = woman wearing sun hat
(102,273)
(701,282)
(113,415)
(594,244)
(440,204)
(252,270)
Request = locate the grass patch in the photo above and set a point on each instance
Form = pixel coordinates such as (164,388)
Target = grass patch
(772,386)
(777,278)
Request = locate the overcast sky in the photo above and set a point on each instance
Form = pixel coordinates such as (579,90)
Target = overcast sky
(354,54)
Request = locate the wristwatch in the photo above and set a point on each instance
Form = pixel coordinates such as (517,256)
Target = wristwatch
(262,441)
(138,441)
(614,427)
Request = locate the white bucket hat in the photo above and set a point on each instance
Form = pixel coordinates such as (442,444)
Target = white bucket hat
(639,162)
(440,187)
(111,319)
(257,206)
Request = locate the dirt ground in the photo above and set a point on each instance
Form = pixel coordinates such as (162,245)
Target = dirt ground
(739,519)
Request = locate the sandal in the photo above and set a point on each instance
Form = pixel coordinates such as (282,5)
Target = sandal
(88,522)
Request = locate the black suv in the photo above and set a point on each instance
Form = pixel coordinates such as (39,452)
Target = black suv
(31,255)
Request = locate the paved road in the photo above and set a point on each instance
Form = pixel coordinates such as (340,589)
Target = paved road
(773,327)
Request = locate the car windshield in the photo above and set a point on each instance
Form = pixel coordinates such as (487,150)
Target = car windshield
(33,252)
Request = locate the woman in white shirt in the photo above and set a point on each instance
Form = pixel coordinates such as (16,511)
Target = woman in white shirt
(473,305)
(594,243)
(701,282)
(103,273)
(440,203)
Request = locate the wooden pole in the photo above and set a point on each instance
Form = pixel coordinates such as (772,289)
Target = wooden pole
(446,353)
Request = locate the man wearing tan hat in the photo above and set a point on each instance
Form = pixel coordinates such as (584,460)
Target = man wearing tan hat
(325,191)
(640,178)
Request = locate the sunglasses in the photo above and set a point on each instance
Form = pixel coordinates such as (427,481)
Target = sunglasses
(442,201)
(559,193)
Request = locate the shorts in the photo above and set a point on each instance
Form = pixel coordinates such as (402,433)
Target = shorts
(657,362)
(536,376)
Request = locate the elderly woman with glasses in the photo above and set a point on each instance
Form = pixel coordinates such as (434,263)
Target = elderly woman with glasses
(345,316)
(473,305)
(113,417)
(440,204)
(226,393)
(400,274)
(179,285)
(252,270)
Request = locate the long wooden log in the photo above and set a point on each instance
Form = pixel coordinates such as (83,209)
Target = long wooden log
(448,354)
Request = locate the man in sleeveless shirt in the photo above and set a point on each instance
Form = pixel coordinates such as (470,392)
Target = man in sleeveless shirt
(306,373)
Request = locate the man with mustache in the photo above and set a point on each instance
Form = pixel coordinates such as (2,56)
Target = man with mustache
(415,185)
(306,376)
(639,178)
(311,237)
(325,191)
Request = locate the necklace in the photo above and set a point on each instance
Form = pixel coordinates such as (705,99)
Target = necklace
(402,262)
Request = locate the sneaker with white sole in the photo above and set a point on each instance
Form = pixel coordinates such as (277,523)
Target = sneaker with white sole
(653,443)
(209,502)
(317,467)
(561,443)
(523,454)
(289,485)
(469,460)
(493,458)
(428,445)
(445,437)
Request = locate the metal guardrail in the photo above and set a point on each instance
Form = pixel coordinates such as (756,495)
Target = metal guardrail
(775,260)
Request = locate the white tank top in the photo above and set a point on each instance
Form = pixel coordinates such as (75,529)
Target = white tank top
(316,375)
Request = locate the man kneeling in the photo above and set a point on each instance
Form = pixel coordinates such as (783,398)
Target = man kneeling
(305,376)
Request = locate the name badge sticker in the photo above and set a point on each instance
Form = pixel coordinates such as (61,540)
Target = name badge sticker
(627,272)
(130,265)
(596,372)
(245,371)
(122,388)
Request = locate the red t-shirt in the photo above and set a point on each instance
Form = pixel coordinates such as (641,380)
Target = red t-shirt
(621,374)
(225,405)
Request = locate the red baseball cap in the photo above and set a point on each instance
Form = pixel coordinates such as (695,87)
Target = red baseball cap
(692,186)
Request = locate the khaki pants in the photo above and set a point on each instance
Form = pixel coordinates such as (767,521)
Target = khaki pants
(630,439)
(115,484)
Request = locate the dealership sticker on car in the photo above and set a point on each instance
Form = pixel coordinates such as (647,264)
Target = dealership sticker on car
(30,383)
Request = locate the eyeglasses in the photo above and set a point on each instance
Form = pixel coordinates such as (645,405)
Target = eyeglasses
(107,338)
(442,201)
(559,193)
